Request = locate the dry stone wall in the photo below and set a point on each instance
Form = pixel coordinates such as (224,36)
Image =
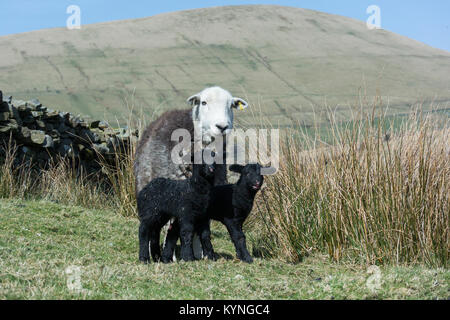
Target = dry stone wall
(43,135)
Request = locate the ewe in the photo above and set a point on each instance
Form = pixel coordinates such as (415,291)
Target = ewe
(211,116)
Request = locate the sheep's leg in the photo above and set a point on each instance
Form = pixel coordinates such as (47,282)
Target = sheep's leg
(171,240)
(197,247)
(186,236)
(144,254)
(154,244)
(204,231)
(238,237)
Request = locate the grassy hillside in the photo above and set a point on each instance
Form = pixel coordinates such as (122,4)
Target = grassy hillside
(286,61)
(40,240)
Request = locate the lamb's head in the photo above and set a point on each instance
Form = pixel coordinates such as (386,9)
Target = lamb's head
(213,111)
(251,175)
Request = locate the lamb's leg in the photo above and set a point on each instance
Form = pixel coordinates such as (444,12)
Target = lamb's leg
(238,237)
(197,246)
(204,231)
(154,244)
(186,235)
(144,254)
(173,234)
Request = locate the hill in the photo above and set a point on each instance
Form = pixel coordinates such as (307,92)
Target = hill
(285,61)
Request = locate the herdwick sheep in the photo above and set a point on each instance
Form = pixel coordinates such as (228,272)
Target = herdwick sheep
(163,198)
(230,204)
(211,116)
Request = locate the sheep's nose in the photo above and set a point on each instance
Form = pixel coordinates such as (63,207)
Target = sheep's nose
(222,128)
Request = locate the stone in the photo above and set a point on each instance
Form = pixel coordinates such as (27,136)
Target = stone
(74,121)
(25,133)
(56,140)
(44,134)
(94,124)
(62,127)
(41,108)
(8,127)
(41,124)
(49,126)
(48,142)
(20,104)
(14,113)
(51,113)
(37,137)
(64,117)
(34,103)
(4,106)
(103,125)
(37,114)
(28,119)
(4,116)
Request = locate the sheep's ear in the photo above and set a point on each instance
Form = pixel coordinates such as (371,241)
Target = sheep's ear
(268,171)
(239,103)
(194,100)
(236,168)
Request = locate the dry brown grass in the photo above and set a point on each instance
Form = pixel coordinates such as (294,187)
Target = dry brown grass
(373,196)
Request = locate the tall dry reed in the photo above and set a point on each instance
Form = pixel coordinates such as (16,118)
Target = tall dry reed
(376,194)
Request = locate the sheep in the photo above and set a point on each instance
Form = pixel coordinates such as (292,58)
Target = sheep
(230,204)
(211,116)
(163,198)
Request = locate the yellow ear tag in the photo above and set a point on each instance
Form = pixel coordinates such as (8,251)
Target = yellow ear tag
(241,106)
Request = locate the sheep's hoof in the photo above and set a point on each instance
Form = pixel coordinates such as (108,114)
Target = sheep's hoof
(144,260)
(166,260)
(188,258)
(247,259)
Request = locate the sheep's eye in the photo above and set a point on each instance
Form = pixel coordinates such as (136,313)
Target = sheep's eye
(204,103)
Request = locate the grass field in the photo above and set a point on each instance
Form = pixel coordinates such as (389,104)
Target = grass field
(358,213)
(41,241)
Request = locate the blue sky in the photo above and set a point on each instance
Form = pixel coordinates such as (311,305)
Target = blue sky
(426,21)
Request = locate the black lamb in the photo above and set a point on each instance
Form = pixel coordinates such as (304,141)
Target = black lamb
(230,204)
(163,199)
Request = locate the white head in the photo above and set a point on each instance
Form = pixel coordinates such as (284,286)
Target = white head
(213,110)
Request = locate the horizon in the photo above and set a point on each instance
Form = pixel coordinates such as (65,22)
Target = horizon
(424,22)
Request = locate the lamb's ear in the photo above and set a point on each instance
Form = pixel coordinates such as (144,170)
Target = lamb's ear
(268,171)
(194,100)
(236,168)
(239,103)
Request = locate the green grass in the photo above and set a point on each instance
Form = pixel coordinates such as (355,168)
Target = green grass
(39,240)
